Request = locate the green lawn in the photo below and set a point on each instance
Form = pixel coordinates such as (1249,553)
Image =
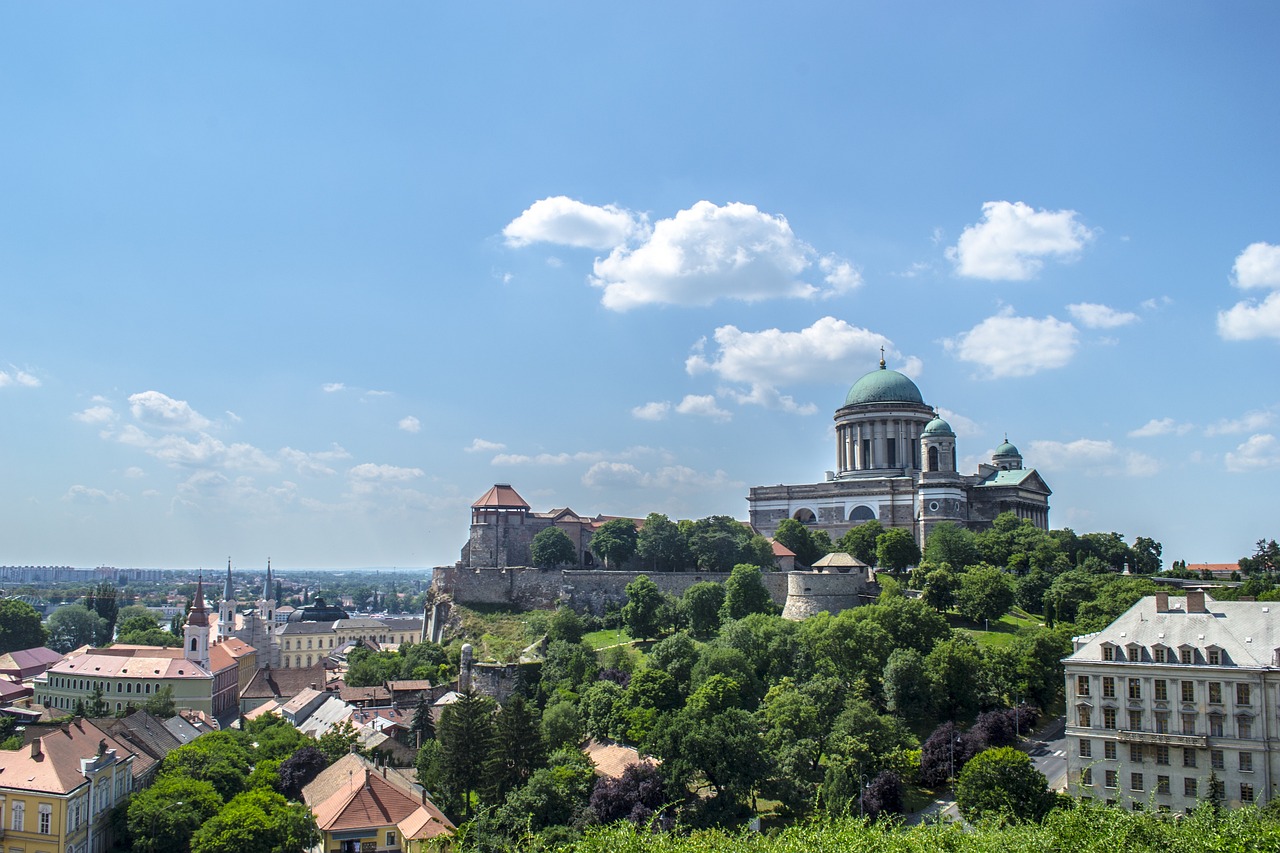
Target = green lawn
(608,637)
(1002,632)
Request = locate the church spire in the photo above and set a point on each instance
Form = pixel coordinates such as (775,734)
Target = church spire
(199,614)
(227,592)
(268,593)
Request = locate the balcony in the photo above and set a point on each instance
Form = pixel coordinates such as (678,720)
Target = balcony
(1196,741)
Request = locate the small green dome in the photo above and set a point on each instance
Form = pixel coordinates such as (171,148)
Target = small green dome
(884,386)
(1007,449)
(938,426)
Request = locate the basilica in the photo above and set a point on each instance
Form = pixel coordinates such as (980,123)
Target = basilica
(895,462)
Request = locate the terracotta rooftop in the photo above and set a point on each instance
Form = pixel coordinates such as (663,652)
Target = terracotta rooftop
(612,760)
(132,662)
(501,496)
(352,794)
(283,683)
(28,661)
(54,766)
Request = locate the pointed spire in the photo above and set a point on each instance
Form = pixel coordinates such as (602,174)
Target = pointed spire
(199,614)
(267,591)
(227,592)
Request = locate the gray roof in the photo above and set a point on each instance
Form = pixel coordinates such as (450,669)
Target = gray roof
(306,628)
(1247,632)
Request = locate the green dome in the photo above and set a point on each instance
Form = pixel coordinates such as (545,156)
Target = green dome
(884,386)
(938,426)
(1007,449)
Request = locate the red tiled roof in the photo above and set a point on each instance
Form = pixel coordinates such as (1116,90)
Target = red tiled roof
(56,769)
(366,801)
(29,661)
(501,496)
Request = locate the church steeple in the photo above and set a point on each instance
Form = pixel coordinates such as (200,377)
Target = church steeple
(227,607)
(195,637)
(227,593)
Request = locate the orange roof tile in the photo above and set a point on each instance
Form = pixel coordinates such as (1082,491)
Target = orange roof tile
(367,800)
(55,768)
(501,496)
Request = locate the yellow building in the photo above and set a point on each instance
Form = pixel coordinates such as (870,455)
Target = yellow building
(57,792)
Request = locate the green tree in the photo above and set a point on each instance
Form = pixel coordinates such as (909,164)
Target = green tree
(949,543)
(604,711)
(700,607)
(940,588)
(615,541)
(465,735)
(423,727)
(1002,784)
(908,690)
(562,725)
(72,626)
(1146,556)
(20,626)
(718,542)
(338,740)
(955,668)
(861,541)
(745,593)
(106,606)
(896,550)
(676,655)
(661,545)
(258,821)
(216,758)
(794,535)
(566,625)
(640,613)
(518,748)
(163,816)
(556,795)
(985,593)
(551,548)
(160,704)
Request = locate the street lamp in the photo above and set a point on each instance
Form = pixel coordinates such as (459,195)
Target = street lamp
(862,794)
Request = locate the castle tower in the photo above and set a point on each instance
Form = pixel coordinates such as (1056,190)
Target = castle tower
(941,495)
(195,637)
(227,608)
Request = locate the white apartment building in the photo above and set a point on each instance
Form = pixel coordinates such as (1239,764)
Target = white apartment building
(1171,692)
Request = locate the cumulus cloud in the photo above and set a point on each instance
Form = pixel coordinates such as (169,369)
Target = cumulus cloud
(17,377)
(1258,452)
(1160,426)
(1258,266)
(316,463)
(160,410)
(1008,346)
(133,472)
(963,426)
(96,415)
(1013,240)
(410,424)
(827,351)
(568,222)
(84,495)
(1094,316)
(703,406)
(1248,422)
(333,387)
(1093,457)
(479,445)
(624,475)
(708,253)
(369,477)
(654,411)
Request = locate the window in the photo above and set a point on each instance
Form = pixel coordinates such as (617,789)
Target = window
(1215,692)
(1162,723)
(1244,726)
(1246,762)
(46,818)
(1086,776)
(1188,724)
(1220,789)
(1135,753)
(1188,656)
(1086,748)
(1242,694)
(1246,792)
(1135,688)
(1108,718)
(1137,805)
(1188,691)
(1158,651)
(1108,687)
(1109,750)
(1108,653)
(1188,757)
(1082,685)
(1189,786)
(1215,759)
(1083,714)
(1215,657)
(1215,725)
(1162,690)
(1110,779)
(1135,781)
(1135,721)
(1162,784)
(1162,754)
(19,821)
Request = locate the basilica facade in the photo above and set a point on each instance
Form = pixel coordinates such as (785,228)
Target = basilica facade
(895,462)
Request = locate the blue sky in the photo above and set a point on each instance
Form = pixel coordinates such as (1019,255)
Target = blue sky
(301,281)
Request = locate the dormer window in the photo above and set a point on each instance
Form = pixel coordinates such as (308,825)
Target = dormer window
(1108,651)
(1135,651)
(1214,655)
(1188,654)
(1158,652)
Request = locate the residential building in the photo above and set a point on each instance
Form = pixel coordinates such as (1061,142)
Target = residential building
(1171,692)
(57,791)
(27,663)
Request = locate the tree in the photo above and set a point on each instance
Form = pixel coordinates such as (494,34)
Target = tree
(566,625)
(719,542)
(794,535)
(676,655)
(1146,556)
(896,550)
(861,541)
(518,749)
(604,711)
(216,758)
(745,593)
(614,542)
(1002,784)
(423,727)
(944,754)
(551,548)
(955,667)
(298,770)
(465,735)
(258,821)
(985,594)
(338,740)
(104,603)
(160,704)
(637,795)
(661,546)
(940,588)
(883,795)
(640,613)
(949,543)
(908,690)
(555,795)
(700,606)
(163,816)
(72,626)
(562,725)
(20,627)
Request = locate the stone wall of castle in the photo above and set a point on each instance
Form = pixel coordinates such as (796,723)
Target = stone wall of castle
(809,593)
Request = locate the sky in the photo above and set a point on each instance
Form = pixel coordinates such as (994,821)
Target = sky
(300,281)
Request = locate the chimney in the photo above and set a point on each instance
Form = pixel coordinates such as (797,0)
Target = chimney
(1195,601)
(1162,602)
(35,748)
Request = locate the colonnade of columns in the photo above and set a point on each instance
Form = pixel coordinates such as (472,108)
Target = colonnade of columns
(878,443)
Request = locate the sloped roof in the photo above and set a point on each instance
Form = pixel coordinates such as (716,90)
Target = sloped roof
(612,760)
(132,661)
(1025,478)
(56,769)
(780,550)
(351,794)
(27,661)
(501,496)
(839,560)
(283,683)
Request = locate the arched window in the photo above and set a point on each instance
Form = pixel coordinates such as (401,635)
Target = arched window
(862,513)
(193,644)
(933,459)
(805,516)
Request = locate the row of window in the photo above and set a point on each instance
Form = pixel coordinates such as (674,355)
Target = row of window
(104,686)
(1188,655)
(1244,691)
(1217,722)
(1138,753)
(1190,784)
(68,703)
(380,638)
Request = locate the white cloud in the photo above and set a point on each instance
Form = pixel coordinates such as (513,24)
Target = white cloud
(964,427)
(96,415)
(624,475)
(18,377)
(133,472)
(314,463)
(160,410)
(1258,266)
(703,406)
(85,495)
(765,360)
(1016,346)
(1258,452)
(708,252)
(376,393)
(654,411)
(479,445)
(1160,426)
(1095,316)
(613,475)
(1092,457)
(567,222)
(333,387)
(368,477)
(410,424)
(1012,241)
(1249,320)
(1248,422)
